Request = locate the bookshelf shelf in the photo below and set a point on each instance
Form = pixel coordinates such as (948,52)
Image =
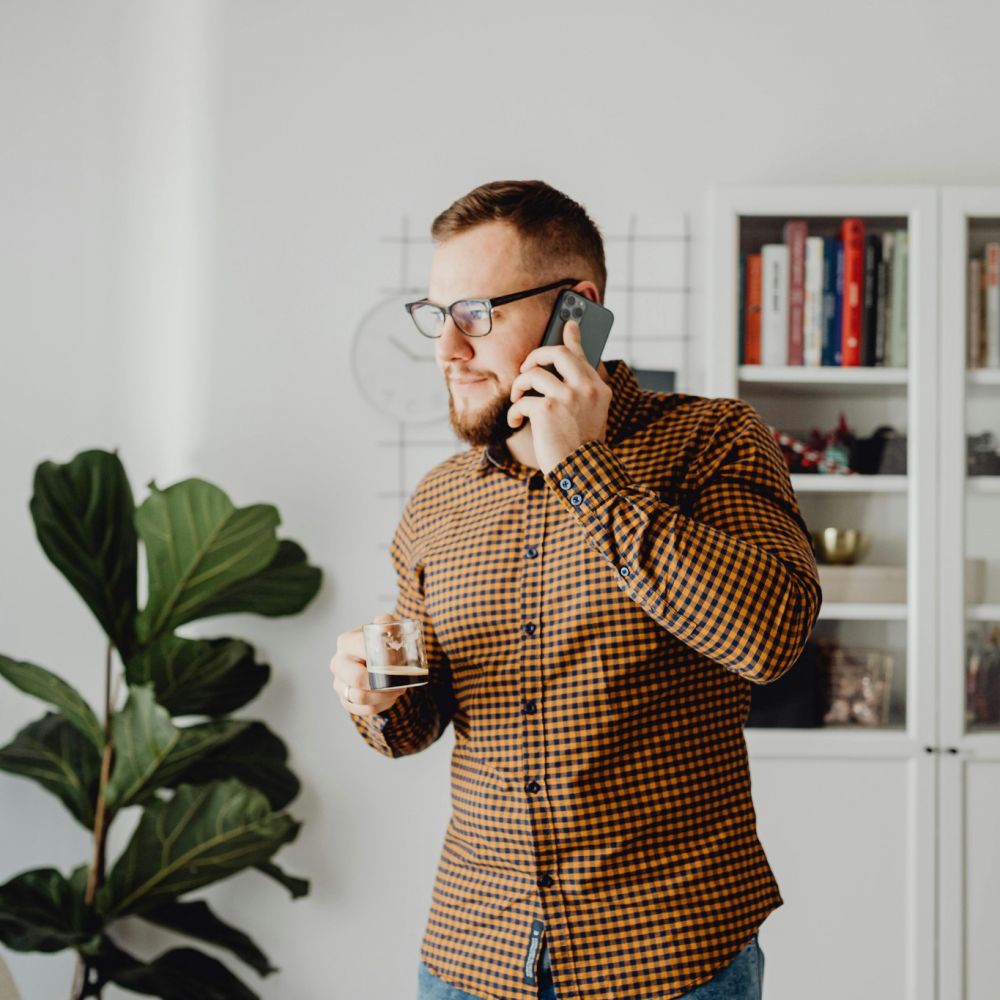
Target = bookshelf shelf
(863,612)
(983,613)
(828,375)
(983,377)
(815,483)
(983,484)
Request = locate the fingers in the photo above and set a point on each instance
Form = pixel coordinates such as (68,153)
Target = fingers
(350,671)
(544,381)
(568,357)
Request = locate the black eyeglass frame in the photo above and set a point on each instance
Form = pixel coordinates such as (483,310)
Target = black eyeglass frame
(500,300)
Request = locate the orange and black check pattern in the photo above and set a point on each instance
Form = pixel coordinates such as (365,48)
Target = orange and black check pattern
(592,635)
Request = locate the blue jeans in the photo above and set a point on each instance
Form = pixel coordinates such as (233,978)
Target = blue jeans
(742,979)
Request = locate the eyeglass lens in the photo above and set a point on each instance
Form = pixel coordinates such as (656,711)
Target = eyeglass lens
(471,316)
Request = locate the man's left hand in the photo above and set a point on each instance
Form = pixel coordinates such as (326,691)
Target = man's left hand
(569,412)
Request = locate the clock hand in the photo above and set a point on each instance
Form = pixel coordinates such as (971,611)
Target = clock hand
(409,353)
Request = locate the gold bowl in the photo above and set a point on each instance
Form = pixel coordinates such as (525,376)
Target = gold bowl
(840,546)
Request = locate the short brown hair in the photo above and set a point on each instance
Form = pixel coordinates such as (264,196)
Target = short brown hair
(555,229)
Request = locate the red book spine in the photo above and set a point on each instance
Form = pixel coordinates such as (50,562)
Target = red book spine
(853,234)
(796,231)
(754,291)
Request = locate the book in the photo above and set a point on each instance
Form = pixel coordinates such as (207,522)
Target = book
(974,315)
(751,310)
(869,321)
(812,308)
(992,269)
(833,300)
(795,234)
(853,233)
(885,300)
(897,328)
(774,304)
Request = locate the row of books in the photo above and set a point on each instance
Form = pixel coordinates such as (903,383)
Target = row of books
(826,300)
(984,309)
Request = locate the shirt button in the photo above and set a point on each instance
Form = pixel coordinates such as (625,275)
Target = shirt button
(565,484)
(528,706)
(533,787)
(530,552)
(528,628)
(576,499)
(624,571)
(546,880)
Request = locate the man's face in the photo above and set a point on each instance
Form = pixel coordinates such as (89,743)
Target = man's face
(485,262)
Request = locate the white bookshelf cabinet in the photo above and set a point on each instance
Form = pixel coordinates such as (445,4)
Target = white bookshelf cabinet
(969,771)
(848,816)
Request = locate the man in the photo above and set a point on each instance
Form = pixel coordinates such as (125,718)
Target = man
(599,579)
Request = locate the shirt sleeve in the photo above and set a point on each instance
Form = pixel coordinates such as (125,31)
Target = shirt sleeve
(420,716)
(730,569)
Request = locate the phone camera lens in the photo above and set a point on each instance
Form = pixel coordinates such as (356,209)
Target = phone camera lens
(570,300)
(564,314)
(577,312)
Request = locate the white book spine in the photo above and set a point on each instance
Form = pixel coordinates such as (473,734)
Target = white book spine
(897,331)
(774,304)
(993,305)
(812,324)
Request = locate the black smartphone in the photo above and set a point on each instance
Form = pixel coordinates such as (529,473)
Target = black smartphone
(595,326)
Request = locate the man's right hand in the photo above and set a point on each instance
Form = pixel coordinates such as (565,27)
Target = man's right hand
(350,669)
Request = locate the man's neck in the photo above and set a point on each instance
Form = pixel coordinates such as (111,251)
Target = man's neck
(521,445)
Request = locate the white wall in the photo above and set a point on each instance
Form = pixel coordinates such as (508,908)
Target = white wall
(191,201)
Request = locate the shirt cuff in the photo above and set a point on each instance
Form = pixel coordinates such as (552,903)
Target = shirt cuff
(590,477)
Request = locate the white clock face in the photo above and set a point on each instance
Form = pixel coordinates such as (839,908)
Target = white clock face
(394,365)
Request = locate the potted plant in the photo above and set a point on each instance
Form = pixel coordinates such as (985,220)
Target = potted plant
(212,789)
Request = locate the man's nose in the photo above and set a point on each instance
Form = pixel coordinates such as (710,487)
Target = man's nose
(453,343)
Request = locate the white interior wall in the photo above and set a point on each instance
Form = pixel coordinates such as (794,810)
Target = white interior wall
(191,201)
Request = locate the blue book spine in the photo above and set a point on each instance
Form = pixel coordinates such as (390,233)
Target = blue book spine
(833,290)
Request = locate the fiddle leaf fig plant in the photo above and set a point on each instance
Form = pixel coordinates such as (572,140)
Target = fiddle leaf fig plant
(212,789)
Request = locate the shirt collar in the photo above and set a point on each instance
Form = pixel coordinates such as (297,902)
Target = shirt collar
(625,394)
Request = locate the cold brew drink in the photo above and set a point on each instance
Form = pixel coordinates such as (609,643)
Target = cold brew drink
(395,654)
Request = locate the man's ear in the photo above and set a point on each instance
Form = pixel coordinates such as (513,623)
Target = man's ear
(588,290)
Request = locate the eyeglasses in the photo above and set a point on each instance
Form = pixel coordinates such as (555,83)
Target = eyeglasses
(474,317)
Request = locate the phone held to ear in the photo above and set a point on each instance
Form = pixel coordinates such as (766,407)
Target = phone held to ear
(595,326)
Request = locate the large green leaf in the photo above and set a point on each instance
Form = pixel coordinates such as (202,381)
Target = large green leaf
(44,684)
(198,545)
(143,736)
(151,752)
(284,587)
(257,757)
(298,887)
(195,919)
(179,974)
(203,834)
(199,676)
(42,911)
(59,757)
(83,513)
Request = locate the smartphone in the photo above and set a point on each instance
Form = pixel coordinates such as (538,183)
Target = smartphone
(595,326)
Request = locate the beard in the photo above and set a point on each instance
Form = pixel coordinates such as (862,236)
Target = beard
(484,426)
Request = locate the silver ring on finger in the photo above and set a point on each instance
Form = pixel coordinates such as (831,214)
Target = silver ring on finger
(347,695)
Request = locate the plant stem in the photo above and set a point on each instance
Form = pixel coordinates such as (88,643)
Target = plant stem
(100,826)
(81,987)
